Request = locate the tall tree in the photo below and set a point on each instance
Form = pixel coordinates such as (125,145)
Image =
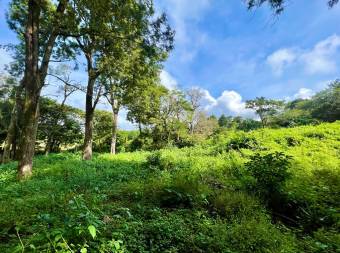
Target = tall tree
(37,23)
(325,105)
(264,108)
(195,96)
(104,27)
(59,125)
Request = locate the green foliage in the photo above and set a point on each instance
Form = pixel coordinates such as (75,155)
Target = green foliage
(326,104)
(58,125)
(270,172)
(264,108)
(282,197)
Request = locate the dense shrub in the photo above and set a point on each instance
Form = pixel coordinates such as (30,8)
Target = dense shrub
(235,205)
(270,172)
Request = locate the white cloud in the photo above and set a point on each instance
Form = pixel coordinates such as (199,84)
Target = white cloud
(228,103)
(304,93)
(321,59)
(168,80)
(183,12)
(185,16)
(281,59)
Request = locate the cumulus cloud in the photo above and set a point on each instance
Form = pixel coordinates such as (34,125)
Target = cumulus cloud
(321,59)
(281,59)
(228,103)
(168,80)
(304,93)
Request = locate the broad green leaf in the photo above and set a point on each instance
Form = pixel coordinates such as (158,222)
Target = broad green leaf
(92,231)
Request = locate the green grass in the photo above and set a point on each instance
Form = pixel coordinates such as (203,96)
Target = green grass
(199,199)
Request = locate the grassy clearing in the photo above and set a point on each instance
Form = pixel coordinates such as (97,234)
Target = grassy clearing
(206,198)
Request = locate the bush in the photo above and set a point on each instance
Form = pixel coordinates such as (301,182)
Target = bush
(158,161)
(270,172)
(292,141)
(235,205)
(242,142)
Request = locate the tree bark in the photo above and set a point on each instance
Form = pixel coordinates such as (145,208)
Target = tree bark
(34,78)
(10,138)
(10,149)
(114,133)
(89,113)
(115,111)
(32,91)
(28,137)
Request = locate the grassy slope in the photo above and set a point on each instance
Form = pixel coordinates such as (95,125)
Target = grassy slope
(189,200)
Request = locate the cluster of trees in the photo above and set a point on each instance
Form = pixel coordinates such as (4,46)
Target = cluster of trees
(164,117)
(322,107)
(122,44)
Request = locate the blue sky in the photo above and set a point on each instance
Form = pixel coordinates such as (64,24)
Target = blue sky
(234,54)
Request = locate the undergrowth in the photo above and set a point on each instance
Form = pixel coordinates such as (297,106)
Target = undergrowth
(269,190)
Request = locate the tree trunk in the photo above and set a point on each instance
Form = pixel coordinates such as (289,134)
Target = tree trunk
(10,138)
(140,127)
(32,91)
(48,145)
(89,113)
(34,78)
(87,151)
(28,136)
(115,111)
(10,149)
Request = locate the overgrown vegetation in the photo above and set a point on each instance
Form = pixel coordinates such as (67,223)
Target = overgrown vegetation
(280,195)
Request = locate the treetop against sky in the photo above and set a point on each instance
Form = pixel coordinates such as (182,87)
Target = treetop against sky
(235,55)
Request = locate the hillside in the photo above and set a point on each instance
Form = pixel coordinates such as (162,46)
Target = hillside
(217,197)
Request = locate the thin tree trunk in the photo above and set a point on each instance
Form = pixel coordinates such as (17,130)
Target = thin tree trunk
(89,113)
(115,111)
(10,138)
(87,151)
(140,128)
(48,145)
(114,133)
(13,129)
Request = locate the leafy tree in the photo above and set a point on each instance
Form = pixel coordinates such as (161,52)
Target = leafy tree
(8,107)
(205,126)
(171,117)
(264,108)
(106,31)
(7,97)
(102,130)
(326,104)
(58,125)
(224,121)
(195,96)
(248,125)
(144,104)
